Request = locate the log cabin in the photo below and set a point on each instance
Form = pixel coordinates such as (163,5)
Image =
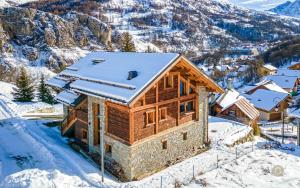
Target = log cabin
(152,107)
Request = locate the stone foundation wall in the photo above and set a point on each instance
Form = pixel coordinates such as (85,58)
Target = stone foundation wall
(148,156)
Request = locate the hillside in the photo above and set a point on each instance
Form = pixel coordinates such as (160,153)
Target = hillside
(260,5)
(283,52)
(189,25)
(288,9)
(61,31)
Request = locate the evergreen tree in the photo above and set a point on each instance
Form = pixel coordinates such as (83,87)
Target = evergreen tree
(44,93)
(127,43)
(24,92)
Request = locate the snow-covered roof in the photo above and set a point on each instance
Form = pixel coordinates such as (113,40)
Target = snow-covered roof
(286,82)
(231,97)
(67,97)
(266,99)
(228,98)
(270,85)
(57,81)
(105,74)
(270,67)
(288,72)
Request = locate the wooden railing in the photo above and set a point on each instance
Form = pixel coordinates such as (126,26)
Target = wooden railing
(69,120)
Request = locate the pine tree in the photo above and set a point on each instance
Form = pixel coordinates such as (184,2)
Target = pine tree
(127,43)
(24,92)
(44,93)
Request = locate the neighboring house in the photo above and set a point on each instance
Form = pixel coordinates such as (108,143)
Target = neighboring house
(295,66)
(234,106)
(265,84)
(271,104)
(289,72)
(153,108)
(267,69)
(288,83)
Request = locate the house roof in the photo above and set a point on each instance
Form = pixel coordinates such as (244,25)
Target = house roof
(105,74)
(266,99)
(269,85)
(289,72)
(229,97)
(270,67)
(67,97)
(286,82)
(232,97)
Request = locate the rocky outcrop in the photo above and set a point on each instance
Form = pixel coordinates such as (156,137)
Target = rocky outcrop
(31,32)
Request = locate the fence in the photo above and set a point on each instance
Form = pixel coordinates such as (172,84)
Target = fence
(185,172)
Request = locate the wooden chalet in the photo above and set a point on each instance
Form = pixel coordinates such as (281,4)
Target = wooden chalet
(152,107)
(231,105)
(270,104)
(267,69)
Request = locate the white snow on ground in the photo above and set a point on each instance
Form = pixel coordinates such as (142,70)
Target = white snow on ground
(19,109)
(254,170)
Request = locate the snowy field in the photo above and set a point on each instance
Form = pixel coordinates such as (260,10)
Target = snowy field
(34,155)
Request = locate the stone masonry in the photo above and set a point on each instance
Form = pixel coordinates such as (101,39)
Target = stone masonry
(148,156)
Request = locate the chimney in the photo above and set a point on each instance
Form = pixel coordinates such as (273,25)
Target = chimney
(229,83)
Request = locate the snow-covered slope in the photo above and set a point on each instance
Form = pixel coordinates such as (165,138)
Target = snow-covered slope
(288,9)
(6,3)
(256,4)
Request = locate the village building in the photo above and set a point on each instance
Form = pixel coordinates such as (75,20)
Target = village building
(295,66)
(267,69)
(232,105)
(265,84)
(288,83)
(152,107)
(271,105)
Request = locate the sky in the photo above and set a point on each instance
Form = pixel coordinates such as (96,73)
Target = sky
(257,4)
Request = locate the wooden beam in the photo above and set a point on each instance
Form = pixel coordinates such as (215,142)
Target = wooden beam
(131,127)
(178,100)
(156,109)
(118,106)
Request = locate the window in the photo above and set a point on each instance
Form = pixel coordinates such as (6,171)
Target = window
(108,149)
(150,117)
(187,107)
(191,90)
(184,135)
(182,108)
(164,144)
(190,106)
(163,114)
(232,113)
(168,82)
(182,88)
(84,134)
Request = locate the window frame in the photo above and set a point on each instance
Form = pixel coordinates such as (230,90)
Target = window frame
(168,78)
(165,109)
(147,117)
(185,91)
(185,103)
